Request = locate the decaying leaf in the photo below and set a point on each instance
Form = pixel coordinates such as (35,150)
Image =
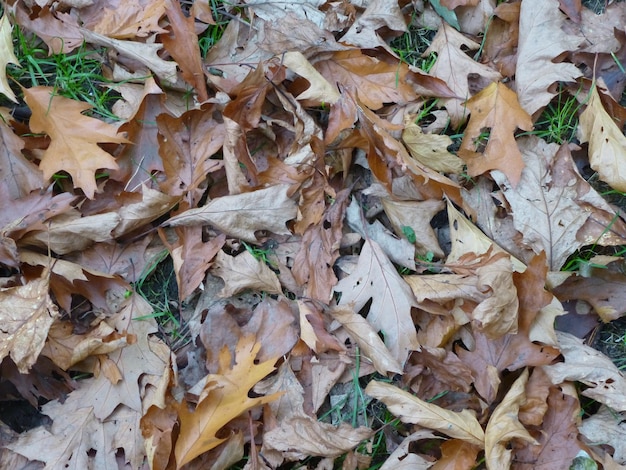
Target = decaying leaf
(244,271)
(7,56)
(431,149)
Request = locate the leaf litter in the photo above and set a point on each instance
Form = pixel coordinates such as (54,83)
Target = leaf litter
(377,265)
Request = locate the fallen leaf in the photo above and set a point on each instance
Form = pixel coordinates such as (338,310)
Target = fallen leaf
(241,215)
(375,278)
(74,137)
(224,397)
(17,174)
(456,455)
(379,16)
(320,90)
(606,427)
(541,40)
(495,108)
(124,19)
(242,272)
(606,142)
(431,149)
(7,56)
(410,409)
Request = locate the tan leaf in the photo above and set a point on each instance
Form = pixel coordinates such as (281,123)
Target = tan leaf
(606,426)
(453,66)
(495,108)
(411,409)
(541,40)
(74,137)
(153,205)
(242,272)
(319,90)
(606,383)
(606,142)
(431,149)
(125,19)
(26,313)
(18,174)
(7,56)
(224,397)
(383,15)
(376,278)
(504,425)
(243,214)
(455,455)
(368,340)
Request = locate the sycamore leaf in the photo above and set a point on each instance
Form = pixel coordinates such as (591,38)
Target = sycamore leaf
(495,108)
(74,137)
(376,278)
(606,142)
(7,56)
(241,215)
(504,425)
(541,39)
(242,272)
(225,397)
(411,409)
(26,314)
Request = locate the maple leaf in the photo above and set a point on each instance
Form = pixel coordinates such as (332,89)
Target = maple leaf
(495,108)
(7,56)
(376,278)
(541,39)
(225,396)
(74,137)
(410,409)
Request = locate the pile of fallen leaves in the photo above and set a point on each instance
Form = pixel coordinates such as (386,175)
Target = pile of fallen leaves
(383,251)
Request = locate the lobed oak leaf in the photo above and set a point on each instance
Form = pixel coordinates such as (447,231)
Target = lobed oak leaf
(225,396)
(74,137)
(606,142)
(7,56)
(411,409)
(541,40)
(241,215)
(375,278)
(497,109)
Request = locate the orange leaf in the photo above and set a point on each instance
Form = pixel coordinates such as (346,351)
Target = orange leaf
(495,108)
(74,137)
(225,397)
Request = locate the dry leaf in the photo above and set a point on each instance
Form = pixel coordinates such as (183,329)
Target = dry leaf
(431,149)
(320,90)
(17,174)
(604,427)
(411,409)
(242,272)
(243,214)
(7,56)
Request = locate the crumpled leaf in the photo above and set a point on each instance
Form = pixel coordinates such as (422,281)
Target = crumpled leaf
(242,272)
(18,174)
(7,56)
(319,90)
(411,409)
(376,278)
(607,427)
(74,137)
(431,149)
(606,142)
(26,314)
(542,39)
(225,396)
(495,108)
(243,214)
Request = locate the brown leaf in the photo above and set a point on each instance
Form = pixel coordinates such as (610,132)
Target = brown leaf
(319,91)
(74,137)
(431,149)
(456,455)
(495,108)
(379,16)
(241,215)
(7,56)
(411,409)
(17,174)
(242,272)
(122,19)
(375,278)
(224,397)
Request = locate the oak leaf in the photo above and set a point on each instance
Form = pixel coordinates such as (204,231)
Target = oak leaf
(376,278)
(495,108)
(74,137)
(542,39)
(606,426)
(431,149)
(225,396)
(124,19)
(241,215)
(411,409)
(7,56)
(242,272)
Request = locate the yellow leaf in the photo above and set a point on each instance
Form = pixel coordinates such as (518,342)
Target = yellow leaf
(606,143)
(431,149)
(74,137)
(225,397)
(7,56)
(411,409)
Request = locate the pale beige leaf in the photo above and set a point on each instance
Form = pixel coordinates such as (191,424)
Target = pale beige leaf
(411,409)
(403,459)
(26,314)
(243,214)
(607,144)
(606,383)
(152,206)
(542,39)
(606,426)
(368,340)
(379,14)
(242,272)
(319,90)
(504,425)
(7,56)
(376,278)
(431,149)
